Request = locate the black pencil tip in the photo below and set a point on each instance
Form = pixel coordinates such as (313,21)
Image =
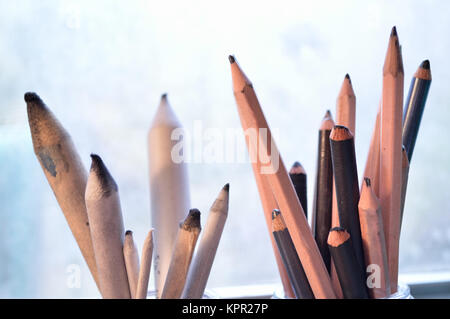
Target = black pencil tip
(128,233)
(347,76)
(226,187)
(105,178)
(296,164)
(275,213)
(192,220)
(394,31)
(32,97)
(425,65)
(232,59)
(328,113)
(164,96)
(367,181)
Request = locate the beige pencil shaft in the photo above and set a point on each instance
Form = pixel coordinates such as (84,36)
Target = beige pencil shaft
(144,270)
(268,204)
(180,262)
(346,106)
(105,219)
(64,171)
(391,156)
(131,257)
(201,265)
(283,190)
(374,244)
(169,188)
(372,169)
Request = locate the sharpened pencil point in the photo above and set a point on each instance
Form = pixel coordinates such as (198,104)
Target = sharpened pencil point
(328,114)
(231,58)
(32,97)
(102,172)
(164,96)
(425,65)
(394,31)
(192,220)
(297,168)
(226,187)
(128,233)
(367,181)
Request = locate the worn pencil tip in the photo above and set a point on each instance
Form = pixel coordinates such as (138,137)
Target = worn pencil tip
(340,133)
(192,219)
(425,65)
(32,97)
(104,177)
(231,59)
(394,31)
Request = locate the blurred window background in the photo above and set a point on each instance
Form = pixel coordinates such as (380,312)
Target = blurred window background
(101,67)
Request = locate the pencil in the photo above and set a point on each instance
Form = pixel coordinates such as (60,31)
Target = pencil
(299,180)
(372,168)
(131,257)
(415,105)
(347,188)
(202,263)
(144,269)
(346,105)
(323,190)
(281,185)
(351,276)
(374,243)
(391,152)
(290,258)
(169,188)
(64,171)
(182,254)
(105,220)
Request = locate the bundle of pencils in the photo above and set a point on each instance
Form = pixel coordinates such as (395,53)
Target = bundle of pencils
(91,206)
(352,248)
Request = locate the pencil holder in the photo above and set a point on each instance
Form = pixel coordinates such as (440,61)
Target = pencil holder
(403,292)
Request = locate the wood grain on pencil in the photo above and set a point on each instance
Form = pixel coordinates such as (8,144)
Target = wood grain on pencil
(281,185)
(391,152)
(372,168)
(182,255)
(374,244)
(107,231)
(64,171)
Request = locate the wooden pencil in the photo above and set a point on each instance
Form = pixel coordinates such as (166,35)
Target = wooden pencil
(145,267)
(346,105)
(321,221)
(299,180)
(290,258)
(372,168)
(415,105)
(182,255)
(351,276)
(347,185)
(391,152)
(202,263)
(64,171)
(374,244)
(131,257)
(105,220)
(281,185)
(169,188)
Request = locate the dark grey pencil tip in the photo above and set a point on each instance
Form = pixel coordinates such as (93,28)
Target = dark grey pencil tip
(394,31)
(105,178)
(128,232)
(32,97)
(275,213)
(226,187)
(232,59)
(164,96)
(367,181)
(425,65)
(192,220)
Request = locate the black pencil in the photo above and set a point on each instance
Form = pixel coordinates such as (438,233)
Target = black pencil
(299,180)
(414,106)
(346,183)
(288,254)
(350,274)
(322,205)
